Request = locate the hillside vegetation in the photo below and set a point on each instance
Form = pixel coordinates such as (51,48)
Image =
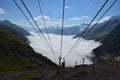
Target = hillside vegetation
(16,54)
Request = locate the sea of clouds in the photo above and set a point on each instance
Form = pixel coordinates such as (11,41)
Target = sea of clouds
(81,51)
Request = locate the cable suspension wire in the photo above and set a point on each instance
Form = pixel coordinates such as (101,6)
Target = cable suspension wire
(43,20)
(24,15)
(41,11)
(63,13)
(37,26)
(33,19)
(101,17)
(98,21)
(29,21)
(86,28)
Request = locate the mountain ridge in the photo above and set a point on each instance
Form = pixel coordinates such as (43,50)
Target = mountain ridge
(16,54)
(10,25)
(110,48)
(20,32)
(73,30)
(100,31)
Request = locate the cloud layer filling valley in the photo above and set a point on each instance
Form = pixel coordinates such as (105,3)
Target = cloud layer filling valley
(81,51)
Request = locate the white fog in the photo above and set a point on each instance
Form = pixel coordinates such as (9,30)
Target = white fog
(81,51)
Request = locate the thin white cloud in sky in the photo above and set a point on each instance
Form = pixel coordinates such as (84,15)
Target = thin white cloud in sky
(49,21)
(2,11)
(75,18)
(52,22)
(103,19)
(85,17)
(39,18)
(72,25)
(84,49)
(67,7)
(79,18)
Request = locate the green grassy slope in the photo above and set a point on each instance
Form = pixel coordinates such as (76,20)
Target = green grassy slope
(16,54)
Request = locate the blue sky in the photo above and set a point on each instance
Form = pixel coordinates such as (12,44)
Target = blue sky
(76,11)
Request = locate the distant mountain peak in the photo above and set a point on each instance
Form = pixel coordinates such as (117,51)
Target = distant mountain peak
(10,23)
(71,30)
(14,27)
(83,24)
(115,17)
(102,29)
(7,21)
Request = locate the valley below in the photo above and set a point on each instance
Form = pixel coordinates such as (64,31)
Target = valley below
(83,50)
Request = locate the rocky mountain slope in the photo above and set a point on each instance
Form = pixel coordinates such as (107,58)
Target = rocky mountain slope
(110,47)
(100,31)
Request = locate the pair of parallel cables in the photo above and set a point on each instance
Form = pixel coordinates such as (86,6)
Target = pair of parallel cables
(42,36)
(87,30)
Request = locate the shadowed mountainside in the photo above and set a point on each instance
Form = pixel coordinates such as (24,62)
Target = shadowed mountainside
(16,54)
(110,46)
(101,30)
